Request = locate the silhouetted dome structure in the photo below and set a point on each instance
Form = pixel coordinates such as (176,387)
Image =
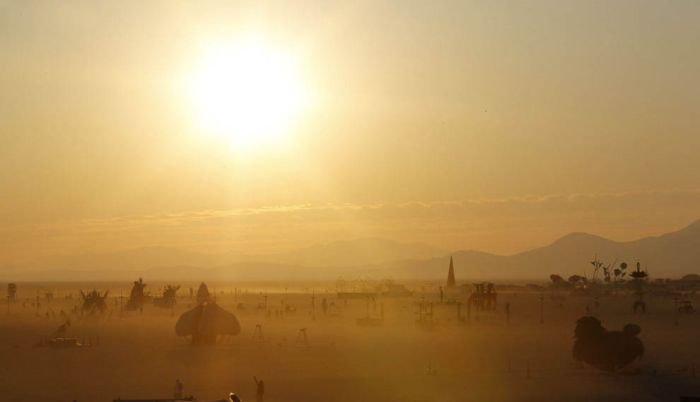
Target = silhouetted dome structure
(206,322)
(603,349)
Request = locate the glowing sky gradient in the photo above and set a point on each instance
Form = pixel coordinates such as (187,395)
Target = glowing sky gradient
(469,107)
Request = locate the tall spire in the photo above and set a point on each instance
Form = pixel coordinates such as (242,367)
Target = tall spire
(451,275)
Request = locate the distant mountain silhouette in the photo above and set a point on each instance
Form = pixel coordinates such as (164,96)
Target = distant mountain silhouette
(138,258)
(670,255)
(321,261)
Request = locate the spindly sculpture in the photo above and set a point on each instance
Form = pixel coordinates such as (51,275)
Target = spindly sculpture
(93,302)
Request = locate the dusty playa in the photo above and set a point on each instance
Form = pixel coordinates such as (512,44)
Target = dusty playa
(137,355)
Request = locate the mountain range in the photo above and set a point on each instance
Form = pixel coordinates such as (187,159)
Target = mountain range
(669,255)
(666,256)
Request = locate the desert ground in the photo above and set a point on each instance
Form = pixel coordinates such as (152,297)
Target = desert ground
(479,356)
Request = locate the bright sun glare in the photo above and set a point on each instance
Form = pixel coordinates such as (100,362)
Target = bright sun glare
(249,92)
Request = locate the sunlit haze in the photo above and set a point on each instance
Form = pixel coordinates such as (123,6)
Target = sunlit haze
(264,127)
(247,91)
(342,201)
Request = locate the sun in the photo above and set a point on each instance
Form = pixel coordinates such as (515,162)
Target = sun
(249,92)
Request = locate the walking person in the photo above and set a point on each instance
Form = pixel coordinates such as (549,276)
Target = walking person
(259,389)
(178,389)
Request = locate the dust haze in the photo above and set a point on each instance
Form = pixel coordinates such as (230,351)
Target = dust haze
(321,200)
(348,340)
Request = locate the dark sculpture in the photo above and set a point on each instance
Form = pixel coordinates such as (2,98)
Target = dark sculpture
(138,296)
(206,322)
(169,298)
(639,280)
(559,282)
(11,292)
(202,293)
(62,329)
(93,302)
(484,297)
(451,283)
(603,349)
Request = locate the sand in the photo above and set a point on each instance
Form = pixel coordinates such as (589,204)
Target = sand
(137,355)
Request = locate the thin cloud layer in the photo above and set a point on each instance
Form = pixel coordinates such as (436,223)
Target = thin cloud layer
(504,225)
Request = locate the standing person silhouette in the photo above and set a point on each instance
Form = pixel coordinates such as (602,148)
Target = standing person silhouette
(260,389)
(178,389)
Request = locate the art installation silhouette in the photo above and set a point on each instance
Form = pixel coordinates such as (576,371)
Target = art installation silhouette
(169,298)
(451,283)
(559,282)
(138,296)
(93,302)
(62,329)
(603,349)
(202,293)
(11,292)
(620,273)
(685,307)
(484,296)
(206,322)
(638,281)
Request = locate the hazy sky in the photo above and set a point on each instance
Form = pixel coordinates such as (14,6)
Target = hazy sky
(493,125)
